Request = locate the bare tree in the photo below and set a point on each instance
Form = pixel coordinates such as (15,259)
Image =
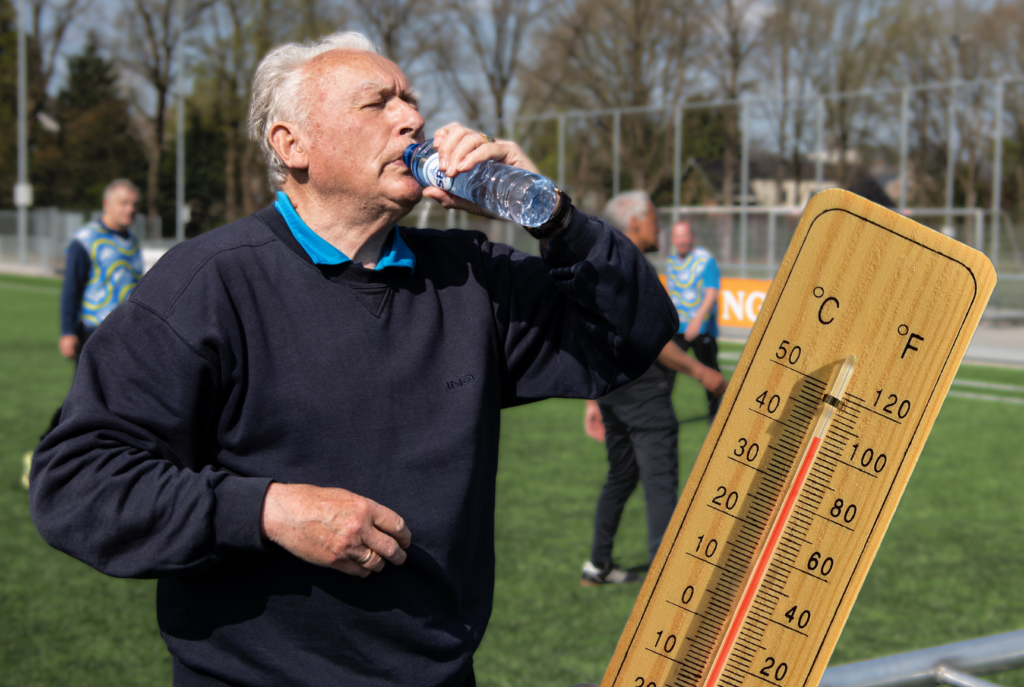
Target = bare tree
(733,31)
(789,47)
(924,58)
(482,60)
(971,120)
(397,26)
(1004,29)
(227,62)
(864,41)
(617,54)
(44,44)
(152,36)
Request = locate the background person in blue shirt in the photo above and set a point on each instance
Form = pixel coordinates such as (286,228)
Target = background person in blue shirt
(103,266)
(693,283)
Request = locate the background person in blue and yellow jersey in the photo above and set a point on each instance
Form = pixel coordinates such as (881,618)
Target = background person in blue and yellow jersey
(104,264)
(693,283)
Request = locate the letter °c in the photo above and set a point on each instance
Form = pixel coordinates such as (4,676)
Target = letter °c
(821,310)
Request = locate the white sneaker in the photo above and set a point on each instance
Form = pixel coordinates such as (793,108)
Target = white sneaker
(611,574)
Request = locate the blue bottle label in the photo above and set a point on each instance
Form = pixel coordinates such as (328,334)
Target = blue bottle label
(434,176)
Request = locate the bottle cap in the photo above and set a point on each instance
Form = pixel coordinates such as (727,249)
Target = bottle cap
(407,155)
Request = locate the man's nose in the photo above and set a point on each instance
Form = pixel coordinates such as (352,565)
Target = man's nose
(410,121)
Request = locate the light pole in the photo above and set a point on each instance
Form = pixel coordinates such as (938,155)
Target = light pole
(951,134)
(180,218)
(22,190)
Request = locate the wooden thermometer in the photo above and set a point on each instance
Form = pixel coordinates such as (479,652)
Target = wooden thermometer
(840,382)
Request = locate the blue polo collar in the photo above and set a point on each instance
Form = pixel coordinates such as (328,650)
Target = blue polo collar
(394,254)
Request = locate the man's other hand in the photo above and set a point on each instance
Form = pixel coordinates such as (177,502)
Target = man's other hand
(592,423)
(334,528)
(692,330)
(68,346)
(712,380)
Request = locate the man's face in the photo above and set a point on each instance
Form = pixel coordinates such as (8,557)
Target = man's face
(119,207)
(362,116)
(645,231)
(682,238)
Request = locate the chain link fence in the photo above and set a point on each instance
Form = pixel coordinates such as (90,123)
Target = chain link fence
(741,171)
(50,230)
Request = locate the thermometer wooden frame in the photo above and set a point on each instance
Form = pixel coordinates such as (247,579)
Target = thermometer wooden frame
(857,280)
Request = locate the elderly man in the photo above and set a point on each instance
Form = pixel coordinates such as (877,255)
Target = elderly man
(638,424)
(693,283)
(103,265)
(303,441)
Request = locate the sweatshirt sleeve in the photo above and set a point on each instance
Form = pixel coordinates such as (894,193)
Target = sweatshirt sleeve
(133,457)
(587,318)
(76,274)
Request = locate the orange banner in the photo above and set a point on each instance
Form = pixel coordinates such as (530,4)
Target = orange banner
(740,300)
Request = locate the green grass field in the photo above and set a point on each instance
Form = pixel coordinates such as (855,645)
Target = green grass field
(949,569)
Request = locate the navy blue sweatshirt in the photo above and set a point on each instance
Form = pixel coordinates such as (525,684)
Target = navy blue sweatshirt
(237,361)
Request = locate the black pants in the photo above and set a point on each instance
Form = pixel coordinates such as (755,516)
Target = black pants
(643,445)
(705,349)
(186,677)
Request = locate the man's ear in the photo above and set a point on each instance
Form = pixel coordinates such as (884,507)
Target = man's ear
(290,144)
(633,229)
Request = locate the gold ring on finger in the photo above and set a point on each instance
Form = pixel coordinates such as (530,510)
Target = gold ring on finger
(366,559)
(489,139)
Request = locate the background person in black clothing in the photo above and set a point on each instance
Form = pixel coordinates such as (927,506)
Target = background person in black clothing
(270,425)
(638,423)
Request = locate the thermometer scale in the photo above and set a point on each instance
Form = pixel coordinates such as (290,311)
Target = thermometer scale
(856,345)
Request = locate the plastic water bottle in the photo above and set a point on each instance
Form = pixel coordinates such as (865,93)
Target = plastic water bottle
(515,194)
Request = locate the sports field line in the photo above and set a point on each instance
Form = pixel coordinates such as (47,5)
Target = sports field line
(28,287)
(988,385)
(983,397)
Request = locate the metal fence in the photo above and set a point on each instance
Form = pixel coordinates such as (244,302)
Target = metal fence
(936,150)
(49,232)
(950,664)
(954,664)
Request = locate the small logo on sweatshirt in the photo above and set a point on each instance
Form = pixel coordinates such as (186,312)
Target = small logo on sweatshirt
(460,382)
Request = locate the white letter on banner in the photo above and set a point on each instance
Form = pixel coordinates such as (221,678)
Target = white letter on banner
(733,305)
(751,311)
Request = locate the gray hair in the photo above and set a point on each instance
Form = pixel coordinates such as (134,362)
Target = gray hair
(625,207)
(120,183)
(277,91)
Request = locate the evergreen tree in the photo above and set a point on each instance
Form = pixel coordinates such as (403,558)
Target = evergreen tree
(95,144)
(91,80)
